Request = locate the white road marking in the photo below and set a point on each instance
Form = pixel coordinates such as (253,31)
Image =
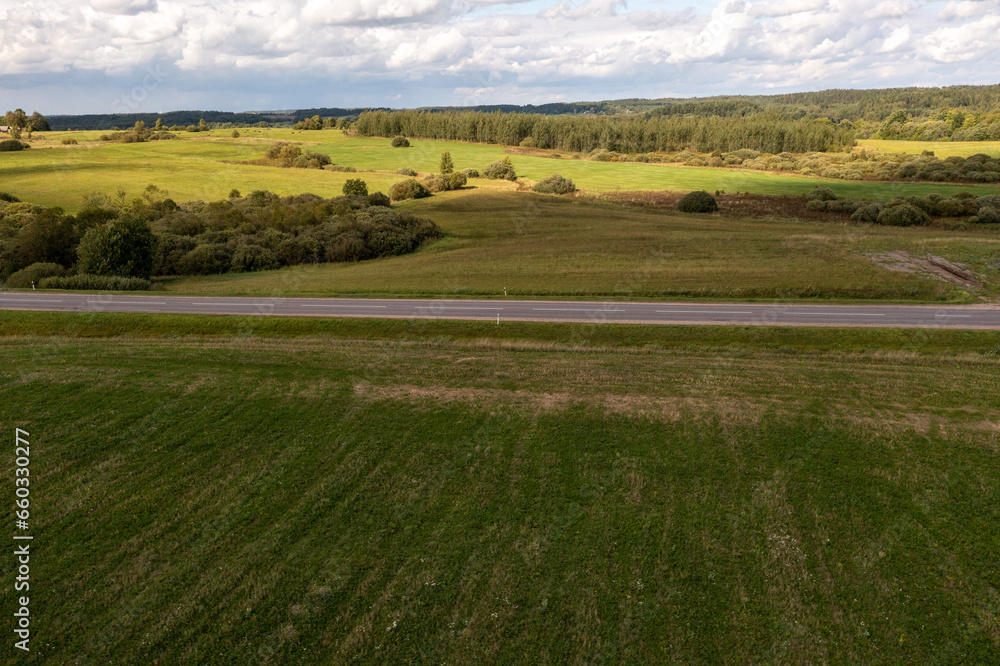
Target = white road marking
(450,307)
(337,305)
(574,310)
(706,311)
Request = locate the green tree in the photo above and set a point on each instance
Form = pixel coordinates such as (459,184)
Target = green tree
(124,247)
(236,134)
(159,124)
(202,127)
(447,166)
(355,187)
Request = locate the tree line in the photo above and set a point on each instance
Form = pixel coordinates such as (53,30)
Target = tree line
(620,133)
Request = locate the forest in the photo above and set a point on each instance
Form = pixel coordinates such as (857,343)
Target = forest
(768,132)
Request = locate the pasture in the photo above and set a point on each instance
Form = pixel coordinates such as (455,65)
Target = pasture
(204,166)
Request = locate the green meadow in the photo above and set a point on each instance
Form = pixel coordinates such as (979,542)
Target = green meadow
(544,246)
(233,490)
(204,166)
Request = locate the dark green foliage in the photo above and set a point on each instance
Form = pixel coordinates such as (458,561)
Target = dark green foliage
(443,183)
(70,142)
(86,281)
(355,187)
(902,214)
(10,198)
(820,193)
(249,258)
(469,173)
(400,142)
(500,170)
(49,236)
(956,207)
(310,160)
(378,199)
(634,134)
(206,259)
(457,181)
(698,201)
(12,145)
(138,134)
(554,184)
(341,168)
(33,274)
(170,249)
(234,193)
(123,247)
(406,171)
(447,165)
(408,189)
(867,213)
(988,215)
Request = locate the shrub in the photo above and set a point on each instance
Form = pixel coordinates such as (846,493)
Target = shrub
(378,199)
(170,248)
(902,214)
(867,213)
(698,201)
(406,171)
(991,200)
(501,170)
(87,281)
(70,142)
(437,183)
(309,160)
(122,247)
(554,184)
(234,193)
(955,207)
(456,181)
(820,193)
(340,169)
(834,205)
(298,250)
(987,215)
(206,260)
(469,173)
(408,189)
(11,145)
(9,198)
(528,142)
(249,258)
(400,142)
(236,134)
(355,187)
(34,273)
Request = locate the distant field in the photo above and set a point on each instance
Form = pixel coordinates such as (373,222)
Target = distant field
(729,495)
(941,149)
(535,245)
(199,167)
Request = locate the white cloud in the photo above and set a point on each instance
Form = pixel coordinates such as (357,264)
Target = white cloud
(505,47)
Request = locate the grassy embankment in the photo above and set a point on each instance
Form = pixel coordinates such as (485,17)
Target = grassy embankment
(439,491)
(202,167)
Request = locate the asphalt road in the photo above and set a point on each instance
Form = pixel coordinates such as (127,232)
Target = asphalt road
(770,314)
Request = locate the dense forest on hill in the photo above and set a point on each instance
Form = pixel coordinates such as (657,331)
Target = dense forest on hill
(765,132)
(107,121)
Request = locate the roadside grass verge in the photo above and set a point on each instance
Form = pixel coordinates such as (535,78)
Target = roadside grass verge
(786,340)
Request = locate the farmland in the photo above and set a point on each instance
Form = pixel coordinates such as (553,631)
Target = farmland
(303,491)
(206,167)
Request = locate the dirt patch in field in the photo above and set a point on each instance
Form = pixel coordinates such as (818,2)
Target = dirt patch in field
(929,265)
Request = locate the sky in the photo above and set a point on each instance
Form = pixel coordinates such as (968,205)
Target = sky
(117,56)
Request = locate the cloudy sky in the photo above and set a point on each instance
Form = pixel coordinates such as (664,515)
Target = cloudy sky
(103,56)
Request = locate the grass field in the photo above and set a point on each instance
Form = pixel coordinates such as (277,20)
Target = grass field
(211,490)
(941,149)
(535,245)
(202,167)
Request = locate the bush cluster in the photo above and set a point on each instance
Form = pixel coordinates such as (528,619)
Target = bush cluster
(554,184)
(408,189)
(470,173)
(95,282)
(698,201)
(445,182)
(154,236)
(909,210)
(138,134)
(33,274)
(12,145)
(407,171)
(500,170)
(400,142)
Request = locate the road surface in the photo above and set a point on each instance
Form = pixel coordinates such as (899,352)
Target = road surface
(770,314)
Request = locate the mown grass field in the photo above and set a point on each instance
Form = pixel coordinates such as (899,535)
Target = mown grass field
(202,167)
(245,490)
(941,149)
(536,245)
